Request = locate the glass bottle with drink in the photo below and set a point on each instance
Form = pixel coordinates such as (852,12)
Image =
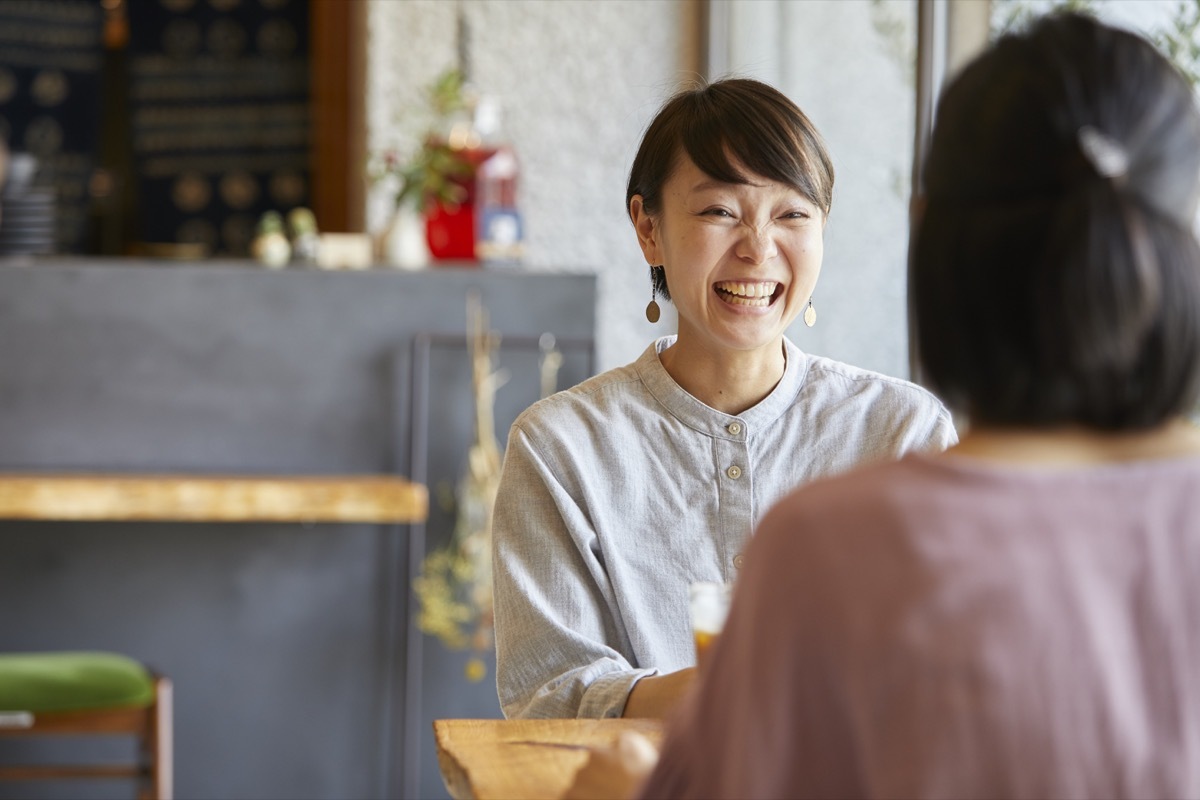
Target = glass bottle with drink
(708,605)
(485,224)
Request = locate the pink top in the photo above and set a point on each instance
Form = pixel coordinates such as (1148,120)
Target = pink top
(946,627)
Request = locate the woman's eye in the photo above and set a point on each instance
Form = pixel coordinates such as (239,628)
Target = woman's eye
(716,212)
(796,215)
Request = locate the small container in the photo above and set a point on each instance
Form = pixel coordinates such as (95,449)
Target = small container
(708,604)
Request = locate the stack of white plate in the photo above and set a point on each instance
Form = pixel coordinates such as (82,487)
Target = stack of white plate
(27,222)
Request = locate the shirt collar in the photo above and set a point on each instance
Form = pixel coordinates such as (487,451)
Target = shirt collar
(708,420)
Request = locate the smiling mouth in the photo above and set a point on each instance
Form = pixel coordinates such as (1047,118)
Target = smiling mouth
(748,293)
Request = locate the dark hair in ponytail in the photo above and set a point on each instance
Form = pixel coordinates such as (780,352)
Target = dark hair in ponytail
(1056,274)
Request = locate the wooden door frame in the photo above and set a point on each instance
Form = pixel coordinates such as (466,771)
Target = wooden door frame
(338,67)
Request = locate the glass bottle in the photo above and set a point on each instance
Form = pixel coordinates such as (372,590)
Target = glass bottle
(498,228)
(484,225)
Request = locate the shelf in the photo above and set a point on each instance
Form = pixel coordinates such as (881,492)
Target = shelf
(212,498)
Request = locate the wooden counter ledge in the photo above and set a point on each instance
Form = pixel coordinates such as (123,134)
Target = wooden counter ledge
(212,498)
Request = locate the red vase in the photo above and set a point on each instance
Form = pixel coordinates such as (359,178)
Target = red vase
(451,228)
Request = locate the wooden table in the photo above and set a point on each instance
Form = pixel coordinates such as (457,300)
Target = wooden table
(212,498)
(526,759)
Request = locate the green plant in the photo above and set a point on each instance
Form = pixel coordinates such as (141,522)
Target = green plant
(455,585)
(435,169)
(1010,15)
(1178,40)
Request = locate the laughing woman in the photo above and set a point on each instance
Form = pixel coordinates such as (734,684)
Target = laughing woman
(620,492)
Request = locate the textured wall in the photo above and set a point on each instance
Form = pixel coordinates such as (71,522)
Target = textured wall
(579,80)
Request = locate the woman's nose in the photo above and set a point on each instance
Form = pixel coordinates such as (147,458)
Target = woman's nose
(756,244)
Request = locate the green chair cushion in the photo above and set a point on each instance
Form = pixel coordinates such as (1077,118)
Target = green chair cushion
(72,681)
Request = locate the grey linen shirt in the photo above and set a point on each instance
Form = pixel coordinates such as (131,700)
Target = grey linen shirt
(620,492)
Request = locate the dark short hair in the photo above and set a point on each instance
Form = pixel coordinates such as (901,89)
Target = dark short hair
(734,119)
(1052,287)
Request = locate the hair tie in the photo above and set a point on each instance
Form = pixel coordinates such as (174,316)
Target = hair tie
(1108,159)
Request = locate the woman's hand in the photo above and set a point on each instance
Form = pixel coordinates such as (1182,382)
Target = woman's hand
(614,773)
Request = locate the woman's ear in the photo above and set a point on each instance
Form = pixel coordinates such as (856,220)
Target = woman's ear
(647,230)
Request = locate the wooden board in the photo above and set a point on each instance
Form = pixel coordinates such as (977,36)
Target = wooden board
(531,759)
(212,498)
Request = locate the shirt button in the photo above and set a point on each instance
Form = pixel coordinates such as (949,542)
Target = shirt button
(734,428)
(734,472)
(738,560)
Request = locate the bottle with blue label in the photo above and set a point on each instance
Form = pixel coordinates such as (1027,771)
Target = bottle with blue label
(499,232)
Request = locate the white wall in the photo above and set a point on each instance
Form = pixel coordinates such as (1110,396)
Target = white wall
(579,81)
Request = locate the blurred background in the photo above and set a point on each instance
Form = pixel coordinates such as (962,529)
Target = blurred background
(208,265)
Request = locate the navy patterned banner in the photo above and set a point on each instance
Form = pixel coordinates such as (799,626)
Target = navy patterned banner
(219,117)
(51,60)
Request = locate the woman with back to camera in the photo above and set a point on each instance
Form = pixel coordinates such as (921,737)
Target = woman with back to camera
(620,492)
(1028,621)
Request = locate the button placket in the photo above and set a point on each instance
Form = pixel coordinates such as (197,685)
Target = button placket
(733,461)
(733,472)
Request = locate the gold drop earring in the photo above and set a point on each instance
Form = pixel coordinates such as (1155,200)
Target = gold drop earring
(652,310)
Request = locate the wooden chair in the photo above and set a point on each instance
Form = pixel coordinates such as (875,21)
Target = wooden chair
(88,694)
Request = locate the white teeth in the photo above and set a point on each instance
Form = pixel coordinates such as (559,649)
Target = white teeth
(743,293)
(748,301)
(747,289)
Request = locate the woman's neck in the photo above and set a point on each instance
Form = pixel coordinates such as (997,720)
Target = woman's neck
(1078,446)
(728,382)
